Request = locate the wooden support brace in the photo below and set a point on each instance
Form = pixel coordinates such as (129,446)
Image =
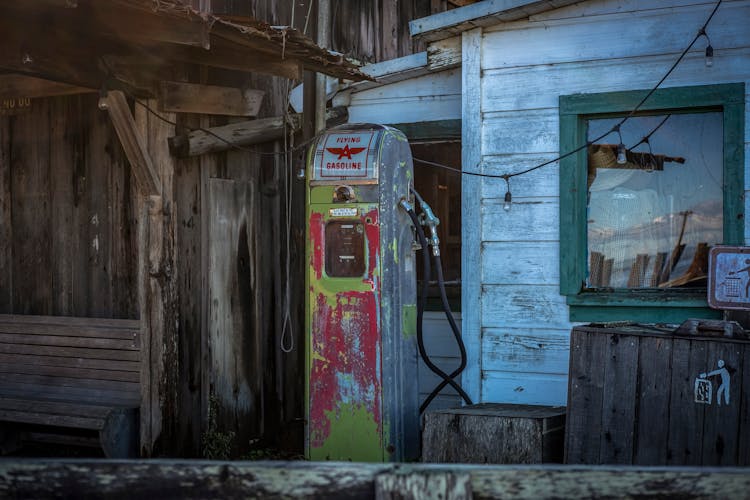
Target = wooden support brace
(240,134)
(133,144)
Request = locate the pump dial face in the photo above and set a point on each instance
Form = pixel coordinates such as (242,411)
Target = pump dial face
(345,249)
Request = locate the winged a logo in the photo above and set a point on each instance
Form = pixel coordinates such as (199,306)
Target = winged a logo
(345,152)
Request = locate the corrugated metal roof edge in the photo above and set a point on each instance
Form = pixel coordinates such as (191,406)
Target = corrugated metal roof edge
(453,22)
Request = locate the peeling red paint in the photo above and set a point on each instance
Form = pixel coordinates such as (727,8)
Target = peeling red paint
(316,240)
(345,350)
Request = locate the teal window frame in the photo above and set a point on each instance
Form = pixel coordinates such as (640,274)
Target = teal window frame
(642,305)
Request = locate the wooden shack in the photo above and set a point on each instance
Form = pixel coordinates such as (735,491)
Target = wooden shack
(99,221)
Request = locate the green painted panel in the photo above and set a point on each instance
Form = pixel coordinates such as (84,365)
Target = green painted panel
(409,320)
(673,315)
(355,437)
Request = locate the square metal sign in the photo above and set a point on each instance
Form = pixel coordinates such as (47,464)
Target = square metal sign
(729,278)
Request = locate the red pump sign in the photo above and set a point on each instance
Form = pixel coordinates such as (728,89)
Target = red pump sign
(346,156)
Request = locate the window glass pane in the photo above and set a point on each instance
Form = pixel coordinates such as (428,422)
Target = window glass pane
(652,219)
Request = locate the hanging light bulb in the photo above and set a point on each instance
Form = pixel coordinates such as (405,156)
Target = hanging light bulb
(508,198)
(709,56)
(622,157)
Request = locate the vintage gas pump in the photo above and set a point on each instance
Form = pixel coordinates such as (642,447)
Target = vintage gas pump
(362,394)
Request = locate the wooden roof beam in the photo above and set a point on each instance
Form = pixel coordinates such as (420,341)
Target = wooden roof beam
(15,85)
(133,144)
(181,97)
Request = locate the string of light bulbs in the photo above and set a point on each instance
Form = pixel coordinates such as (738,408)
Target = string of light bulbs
(621,149)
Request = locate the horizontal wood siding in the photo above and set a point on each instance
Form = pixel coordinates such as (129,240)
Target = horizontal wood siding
(427,98)
(526,65)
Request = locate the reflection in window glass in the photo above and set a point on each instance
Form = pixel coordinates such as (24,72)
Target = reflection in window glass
(652,220)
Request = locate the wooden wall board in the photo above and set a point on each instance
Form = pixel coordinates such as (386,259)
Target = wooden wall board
(520,263)
(523,350)
(513,225)
(618,400)
(471,154)
(599,37)
(655,355)
(539,389)
(522,306)
(31,211)
(6,221)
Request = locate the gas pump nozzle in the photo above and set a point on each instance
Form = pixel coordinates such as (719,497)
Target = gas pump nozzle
(430,220)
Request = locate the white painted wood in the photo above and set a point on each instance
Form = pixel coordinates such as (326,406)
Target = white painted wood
(295,96)
(444,54)
(519,306)
(436,84)
(533,219)
(520,388)
(534,131)
(471,290)
(664,31)
(593,8)
(543,182)
(544,84)
(427,98)
(526,350)
(455,21)
(406,111)
(521,263)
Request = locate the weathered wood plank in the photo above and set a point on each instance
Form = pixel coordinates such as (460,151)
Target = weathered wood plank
(516,305)
(60,341)
(542,183)
(685,415)
(60,361)
(63,375)
(240,134)
(133,143)
(423,485)
(70,321)
(583,425)
(525,350)
(540,213)
(71,352)
(527,263)
(14,86)
(534,131)
(181,97)
(655,358)
(30,185)
(744,425)
(83,395)
(602,37)
(233,340)
(55,420)
(618,399)
(6,219)
(196,479)
(525,388)
(68,331)
(722,417)
(471,153)
(543,84)
(53,407)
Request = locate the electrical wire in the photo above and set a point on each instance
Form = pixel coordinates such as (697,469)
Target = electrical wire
(615,128)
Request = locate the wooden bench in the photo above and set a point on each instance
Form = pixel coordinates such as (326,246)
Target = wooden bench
(72,380)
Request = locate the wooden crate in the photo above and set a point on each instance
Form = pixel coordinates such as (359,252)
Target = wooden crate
(494,434)
(638,395)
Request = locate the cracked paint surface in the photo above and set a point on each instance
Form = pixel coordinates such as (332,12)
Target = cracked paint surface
(345,395)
